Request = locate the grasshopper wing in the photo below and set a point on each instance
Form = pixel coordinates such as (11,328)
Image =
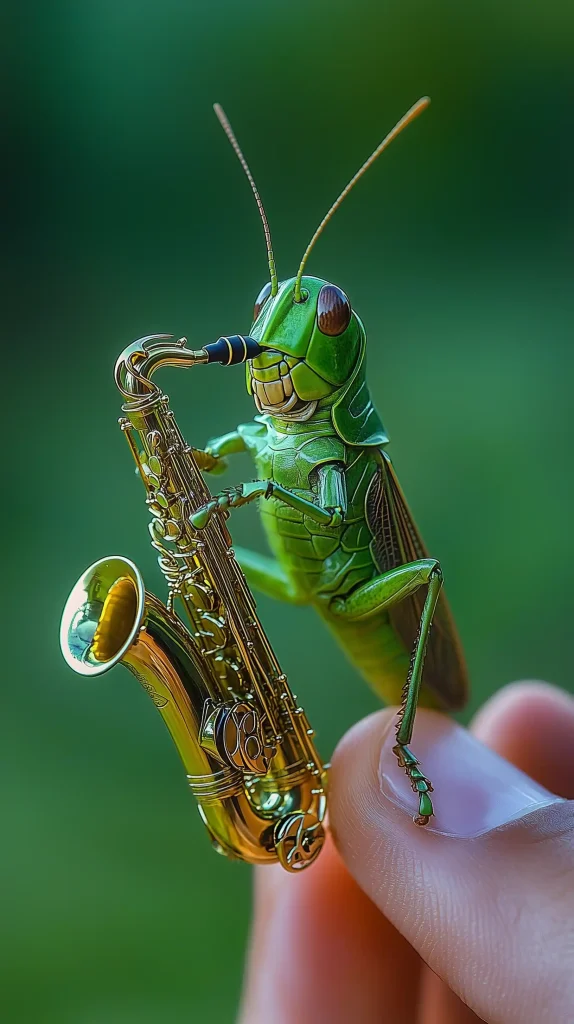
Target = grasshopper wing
(396,541)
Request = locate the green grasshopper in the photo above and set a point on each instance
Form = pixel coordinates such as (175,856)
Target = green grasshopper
(340,530)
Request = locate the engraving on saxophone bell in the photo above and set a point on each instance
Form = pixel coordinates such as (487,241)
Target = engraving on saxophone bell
(159,701)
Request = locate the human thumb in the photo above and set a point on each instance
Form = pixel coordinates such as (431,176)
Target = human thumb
(485,893)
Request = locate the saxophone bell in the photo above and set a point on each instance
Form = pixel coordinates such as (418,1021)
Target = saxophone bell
(110,618)
(102,616)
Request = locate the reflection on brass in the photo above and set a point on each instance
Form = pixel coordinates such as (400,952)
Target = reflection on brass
(245,743)
(116,619)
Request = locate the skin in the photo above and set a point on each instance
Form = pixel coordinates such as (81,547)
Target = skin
(487,932)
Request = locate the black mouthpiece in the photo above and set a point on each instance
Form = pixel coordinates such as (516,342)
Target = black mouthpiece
(235,349)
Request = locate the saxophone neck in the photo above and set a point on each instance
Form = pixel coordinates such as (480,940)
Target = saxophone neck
(139,361)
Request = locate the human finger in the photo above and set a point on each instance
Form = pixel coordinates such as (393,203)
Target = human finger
(484,893)
(531,724)
(321,951)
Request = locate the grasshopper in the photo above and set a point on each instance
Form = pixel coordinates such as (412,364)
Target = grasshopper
(342,536)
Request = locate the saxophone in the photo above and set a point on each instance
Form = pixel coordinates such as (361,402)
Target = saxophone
(246,744)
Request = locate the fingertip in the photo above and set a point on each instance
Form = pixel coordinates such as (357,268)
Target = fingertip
(354,774)
(453,888)
(525,696)
(531,724)
(363,736)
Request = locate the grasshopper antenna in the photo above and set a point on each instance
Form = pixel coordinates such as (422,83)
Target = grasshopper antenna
(406,119)
(222,118)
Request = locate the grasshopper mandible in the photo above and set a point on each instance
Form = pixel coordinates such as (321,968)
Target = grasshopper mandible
(342,536)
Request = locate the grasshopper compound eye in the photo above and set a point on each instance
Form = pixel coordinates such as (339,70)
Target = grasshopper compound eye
(261,299)
(333,311)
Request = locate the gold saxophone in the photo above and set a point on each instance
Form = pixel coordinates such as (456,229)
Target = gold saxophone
(246,745)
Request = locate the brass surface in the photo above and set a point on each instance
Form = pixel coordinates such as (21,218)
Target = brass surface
(245,743)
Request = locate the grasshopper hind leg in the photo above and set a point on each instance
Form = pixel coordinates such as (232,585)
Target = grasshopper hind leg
(420,784)
(382,593)
(407,710)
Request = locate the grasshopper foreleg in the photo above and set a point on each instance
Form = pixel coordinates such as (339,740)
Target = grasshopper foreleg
(217,450)
(331,485)
(375,596)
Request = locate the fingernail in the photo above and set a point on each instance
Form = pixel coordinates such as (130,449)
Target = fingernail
(474,789)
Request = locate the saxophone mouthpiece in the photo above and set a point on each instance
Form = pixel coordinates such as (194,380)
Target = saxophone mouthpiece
(234,349)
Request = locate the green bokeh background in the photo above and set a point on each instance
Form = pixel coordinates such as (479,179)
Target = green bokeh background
(130,215)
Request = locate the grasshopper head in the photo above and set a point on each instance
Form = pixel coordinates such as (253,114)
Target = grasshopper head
(313,343)
(310,347)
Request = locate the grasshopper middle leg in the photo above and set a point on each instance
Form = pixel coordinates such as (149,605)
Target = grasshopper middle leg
(375,596)
(266,575)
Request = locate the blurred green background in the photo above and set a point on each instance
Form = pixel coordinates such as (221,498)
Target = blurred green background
(130,215)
